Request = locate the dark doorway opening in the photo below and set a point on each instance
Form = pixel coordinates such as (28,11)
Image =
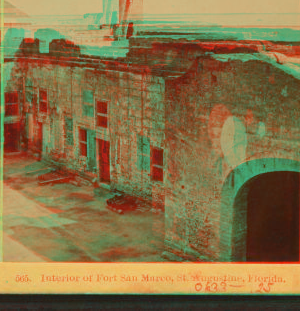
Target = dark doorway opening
(11,137)
(273,218)
(104,160)
(39,138)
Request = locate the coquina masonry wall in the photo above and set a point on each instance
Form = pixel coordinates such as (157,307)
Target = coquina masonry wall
(135,108)
(261,99)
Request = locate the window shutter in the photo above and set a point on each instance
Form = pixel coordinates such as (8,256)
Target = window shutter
(69,131)
(91,144)
(143,153)
(88,97)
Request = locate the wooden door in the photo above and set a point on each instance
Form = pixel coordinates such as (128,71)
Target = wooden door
(39,138)
(104,160)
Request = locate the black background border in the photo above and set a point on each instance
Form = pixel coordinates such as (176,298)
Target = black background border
(147,302)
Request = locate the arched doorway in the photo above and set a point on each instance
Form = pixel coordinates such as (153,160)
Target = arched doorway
(272,217)
(260,212)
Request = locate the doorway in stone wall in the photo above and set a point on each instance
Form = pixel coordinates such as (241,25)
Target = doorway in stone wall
(104,160)
(11,137)
(273,218)
(39,138)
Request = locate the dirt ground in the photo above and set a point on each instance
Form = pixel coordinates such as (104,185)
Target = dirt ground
(69,223)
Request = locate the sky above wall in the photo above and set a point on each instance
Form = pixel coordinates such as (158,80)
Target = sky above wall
(78,7)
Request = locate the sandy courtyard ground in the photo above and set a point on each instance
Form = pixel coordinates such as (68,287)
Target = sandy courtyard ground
(67,223)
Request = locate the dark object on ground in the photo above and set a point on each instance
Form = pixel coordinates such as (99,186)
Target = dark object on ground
(126,203)
(54,177)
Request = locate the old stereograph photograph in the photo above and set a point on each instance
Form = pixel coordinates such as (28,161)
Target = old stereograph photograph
(141,131)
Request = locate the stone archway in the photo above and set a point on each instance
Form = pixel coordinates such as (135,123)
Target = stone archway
(233,214)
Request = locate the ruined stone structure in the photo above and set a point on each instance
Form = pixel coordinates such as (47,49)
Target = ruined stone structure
(186,124)
(227,123)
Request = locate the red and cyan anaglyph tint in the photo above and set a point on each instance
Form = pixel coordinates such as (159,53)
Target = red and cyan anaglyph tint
(147,132)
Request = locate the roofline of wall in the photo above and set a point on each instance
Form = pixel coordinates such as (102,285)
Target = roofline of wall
(241,50)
